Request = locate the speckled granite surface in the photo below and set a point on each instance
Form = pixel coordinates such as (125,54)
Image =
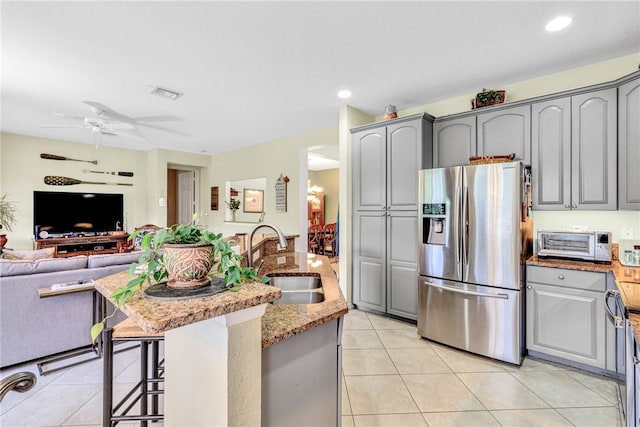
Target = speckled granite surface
(159,316)
(281,321)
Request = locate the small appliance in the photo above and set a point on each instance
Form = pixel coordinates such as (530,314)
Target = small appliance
(594,246)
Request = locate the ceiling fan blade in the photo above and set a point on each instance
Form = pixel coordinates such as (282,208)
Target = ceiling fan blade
(68,117)
(108,112)
(157,119)
(137,137)
(164,129)
(63,126)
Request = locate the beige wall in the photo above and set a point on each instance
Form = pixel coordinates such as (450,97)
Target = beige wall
(329,181)
(269,160)
(22,172)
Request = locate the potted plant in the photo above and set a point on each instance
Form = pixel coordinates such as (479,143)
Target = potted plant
(488,97)
(183,245)
(234,205)
(7,218)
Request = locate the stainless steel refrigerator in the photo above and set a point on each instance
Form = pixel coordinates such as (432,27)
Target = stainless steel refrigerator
(475,235)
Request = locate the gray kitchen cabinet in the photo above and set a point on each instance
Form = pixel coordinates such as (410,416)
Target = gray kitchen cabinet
(629,145)
(593,150)
(566,316)
(506,131)
(386,158)
(454,141)
(574,152)
(302,377)
(551,154)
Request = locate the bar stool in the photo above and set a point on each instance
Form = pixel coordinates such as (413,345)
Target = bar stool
(150,376)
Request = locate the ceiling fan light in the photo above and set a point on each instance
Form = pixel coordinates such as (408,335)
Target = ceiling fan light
(166,93)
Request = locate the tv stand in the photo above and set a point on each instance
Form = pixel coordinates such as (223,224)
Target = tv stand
(73,246)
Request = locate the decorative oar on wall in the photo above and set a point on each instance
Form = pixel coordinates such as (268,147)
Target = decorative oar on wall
(63,180)
(119,173)
(54,157)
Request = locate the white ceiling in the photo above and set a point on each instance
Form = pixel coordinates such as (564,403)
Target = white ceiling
(255,71)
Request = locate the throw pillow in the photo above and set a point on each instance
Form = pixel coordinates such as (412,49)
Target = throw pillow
(29,255)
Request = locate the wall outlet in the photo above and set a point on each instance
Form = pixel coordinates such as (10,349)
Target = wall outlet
(282,260)
(626,233)
(256,255)
(580,228)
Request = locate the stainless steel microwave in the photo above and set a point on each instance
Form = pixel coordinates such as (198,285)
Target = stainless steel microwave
(592,246)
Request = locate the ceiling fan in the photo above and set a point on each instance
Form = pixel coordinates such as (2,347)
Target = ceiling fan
(104,122)
(109,122)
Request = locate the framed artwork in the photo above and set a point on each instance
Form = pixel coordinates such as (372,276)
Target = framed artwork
(214,198)
(253,200)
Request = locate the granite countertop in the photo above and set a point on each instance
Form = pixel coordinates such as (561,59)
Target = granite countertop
(281,321)
(155,316)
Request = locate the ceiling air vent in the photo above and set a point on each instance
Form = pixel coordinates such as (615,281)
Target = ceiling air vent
(166,93)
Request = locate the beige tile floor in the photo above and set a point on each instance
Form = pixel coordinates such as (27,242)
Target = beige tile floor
(392,377)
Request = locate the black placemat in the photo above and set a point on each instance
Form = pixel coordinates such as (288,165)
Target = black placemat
(164,292)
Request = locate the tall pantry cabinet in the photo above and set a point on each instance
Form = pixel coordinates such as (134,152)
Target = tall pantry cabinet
(386,158)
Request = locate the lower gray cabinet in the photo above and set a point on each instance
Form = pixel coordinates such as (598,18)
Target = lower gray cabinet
(565,315)
(385,262)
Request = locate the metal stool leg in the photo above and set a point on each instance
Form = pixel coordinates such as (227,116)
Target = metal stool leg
(144,380)
(155,351)
(107,378)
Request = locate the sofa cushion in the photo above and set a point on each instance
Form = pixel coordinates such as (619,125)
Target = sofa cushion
(28,255)
(47,265)
(104,260)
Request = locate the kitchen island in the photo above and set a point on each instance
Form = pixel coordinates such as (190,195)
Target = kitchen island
(294,338)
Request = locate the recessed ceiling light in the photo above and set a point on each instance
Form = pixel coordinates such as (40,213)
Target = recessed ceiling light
(344,94)
(558,23)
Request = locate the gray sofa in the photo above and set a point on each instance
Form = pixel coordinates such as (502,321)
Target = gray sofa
(32,327)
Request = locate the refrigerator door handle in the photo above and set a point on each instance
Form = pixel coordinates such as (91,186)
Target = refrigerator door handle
(465,226)
(462,291)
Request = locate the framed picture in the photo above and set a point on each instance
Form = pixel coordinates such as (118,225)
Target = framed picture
(253,200)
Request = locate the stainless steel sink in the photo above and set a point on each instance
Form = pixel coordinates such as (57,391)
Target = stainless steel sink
(294,283)
(300,297)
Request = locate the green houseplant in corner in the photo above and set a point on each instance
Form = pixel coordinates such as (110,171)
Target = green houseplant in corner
(7,218)
(161,256)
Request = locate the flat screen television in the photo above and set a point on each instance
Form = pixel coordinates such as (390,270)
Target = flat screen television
(61,213)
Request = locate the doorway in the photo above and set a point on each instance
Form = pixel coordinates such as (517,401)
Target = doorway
(323,190)
(182,200)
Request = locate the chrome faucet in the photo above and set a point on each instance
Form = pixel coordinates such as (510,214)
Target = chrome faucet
(282,241)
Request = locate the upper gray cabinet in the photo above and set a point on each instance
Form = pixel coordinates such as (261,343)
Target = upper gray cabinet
(593,150)
(370,169)
(574,152)
(506,131)
(551,154)
(629,145)
(454,141)
(386,161)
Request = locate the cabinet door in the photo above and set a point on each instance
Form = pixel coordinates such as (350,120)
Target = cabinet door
(369,169)
(551,154)
(629,145)
(404,157)
(567,323)
(402,261)
(369,260)
(594,150)
(506,131)
(454,142)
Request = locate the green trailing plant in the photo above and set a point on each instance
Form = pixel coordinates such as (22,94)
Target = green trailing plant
(150,268)
(487,96)
(7,213)
(234,204)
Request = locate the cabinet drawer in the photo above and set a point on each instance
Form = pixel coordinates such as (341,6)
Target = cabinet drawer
(567,278)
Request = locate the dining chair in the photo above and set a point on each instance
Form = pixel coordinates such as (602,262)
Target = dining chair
(314,238)
(329,240)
